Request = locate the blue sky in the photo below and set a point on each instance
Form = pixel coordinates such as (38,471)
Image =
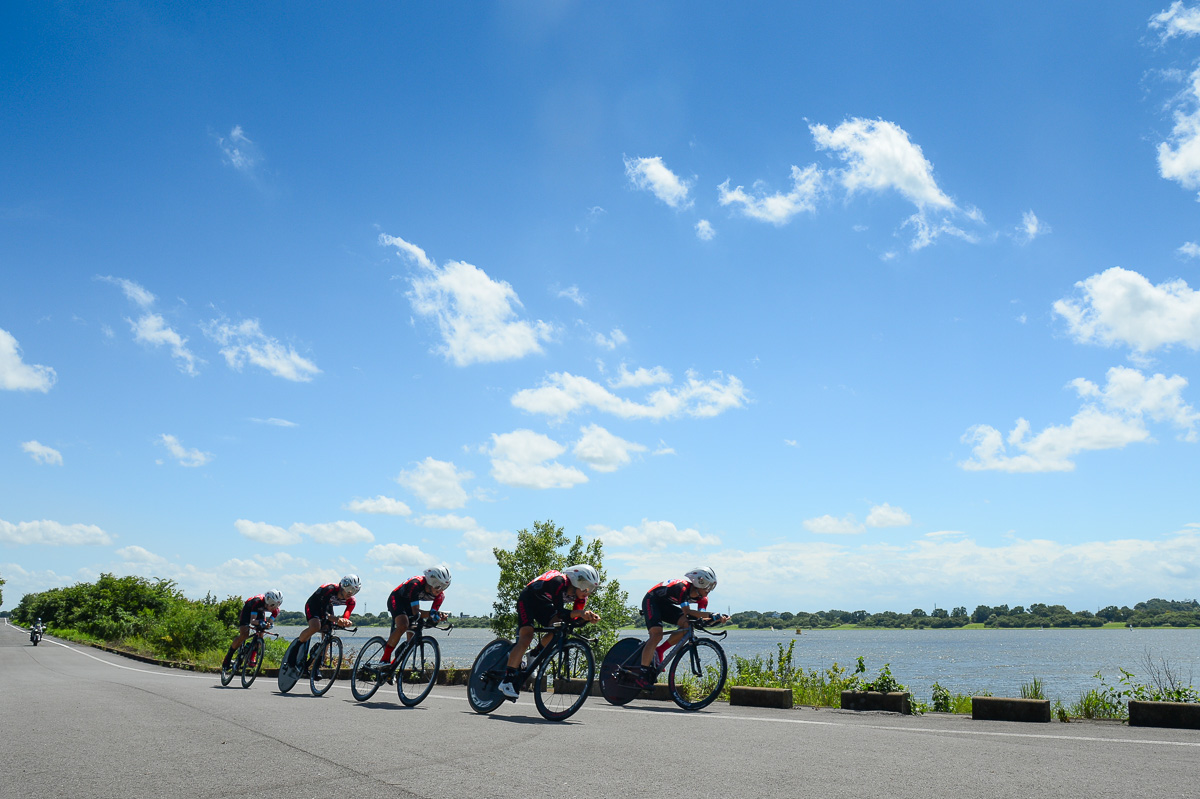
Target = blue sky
(886,310)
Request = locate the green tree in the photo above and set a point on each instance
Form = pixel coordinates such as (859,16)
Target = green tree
(540,551)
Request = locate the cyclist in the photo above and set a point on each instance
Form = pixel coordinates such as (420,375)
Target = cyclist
(256,607)
(541,602)
(404,603)
(671,602)
(319,606)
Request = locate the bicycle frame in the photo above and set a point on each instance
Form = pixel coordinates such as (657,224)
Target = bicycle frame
(412,638)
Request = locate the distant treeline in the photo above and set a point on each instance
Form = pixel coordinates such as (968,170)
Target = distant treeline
(1152,613)
(295,617)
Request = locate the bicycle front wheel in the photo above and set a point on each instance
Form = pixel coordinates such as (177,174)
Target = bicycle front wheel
(616,680)
(325,666)
(252,663)
(483,692)
(227,672)
(563,680)
(418,671)
(369,671)
(697,674)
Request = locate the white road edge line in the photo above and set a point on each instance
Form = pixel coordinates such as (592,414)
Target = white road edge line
(130,668)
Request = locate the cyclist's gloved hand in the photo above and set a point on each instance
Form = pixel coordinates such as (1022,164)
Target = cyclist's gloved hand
(434,617)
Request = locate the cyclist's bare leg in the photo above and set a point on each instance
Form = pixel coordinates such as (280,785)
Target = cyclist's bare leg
(243,634)
(314,627)
(654,639)
(399,627)
(524,639)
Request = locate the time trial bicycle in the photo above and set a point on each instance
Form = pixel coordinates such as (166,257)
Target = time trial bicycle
(562,672)
(249,659)
(696,669)
(320,662)
(414,665)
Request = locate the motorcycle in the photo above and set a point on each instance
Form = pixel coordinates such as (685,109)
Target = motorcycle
(35,635)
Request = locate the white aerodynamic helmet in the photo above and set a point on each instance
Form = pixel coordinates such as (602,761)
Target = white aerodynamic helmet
(438,577)
(273,598)
(351,584)
(703,578)
(583,576)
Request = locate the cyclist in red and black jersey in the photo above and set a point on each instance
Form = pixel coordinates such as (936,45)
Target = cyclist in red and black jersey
(670,602)
(255,607)
(319,606)
(540,603)
(404,603)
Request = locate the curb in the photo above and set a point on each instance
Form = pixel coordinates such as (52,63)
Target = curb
(1178,715)
(999,708)
(761,697)
(894,702)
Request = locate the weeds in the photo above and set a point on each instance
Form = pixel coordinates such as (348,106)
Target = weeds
(1033,689)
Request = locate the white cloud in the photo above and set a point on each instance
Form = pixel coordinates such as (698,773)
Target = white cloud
(602,450)
(152,329)
(656,536)
(275,422)
(612,340)
(705,231)
(186,457)
(1116,417)
(886,516)
(1030,228)
(379,504)
(140,556)
(42,454)
(239,151)
(267,533)
(447,521)
(335,532)
(520,458)
(880,156)
(479,544)
(18,376)
(476,316)
(573,294)
(400,558)
(1179,156)
(651,174)
(1189,249)
(563,393)
(437,483)
(830,525)
(48,533)
(134,292)
(640,377)
(1118,306)
(1177,20)
(245,342)
(808,185)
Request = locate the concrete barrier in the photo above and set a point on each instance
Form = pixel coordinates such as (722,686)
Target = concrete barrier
(760,697)
(999,708)
(894,702)
(1180,715)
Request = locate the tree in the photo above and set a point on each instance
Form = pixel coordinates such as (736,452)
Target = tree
(1,592)
(538,552)
(959,612)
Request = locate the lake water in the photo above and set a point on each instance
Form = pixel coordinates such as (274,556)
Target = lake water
(963,661)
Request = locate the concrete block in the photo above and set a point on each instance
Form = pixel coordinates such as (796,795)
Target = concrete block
(894,702)
(760,697)
(1180,715)
(999,708)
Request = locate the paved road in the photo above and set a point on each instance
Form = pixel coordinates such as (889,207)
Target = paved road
(78,722)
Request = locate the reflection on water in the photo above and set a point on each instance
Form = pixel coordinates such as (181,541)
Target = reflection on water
(964,661)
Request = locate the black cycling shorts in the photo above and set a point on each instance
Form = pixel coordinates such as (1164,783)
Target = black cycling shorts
(660,610)
(398,604)
(244,618)
(533,609)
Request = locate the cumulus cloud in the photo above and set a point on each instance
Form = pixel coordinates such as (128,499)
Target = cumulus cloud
(185,456)
(379,504)
(153,330)
(1115,417)
(1119,306)
(335,532)
(563,393)
(437,483)
(267,533)
(447,521)
(1177,20)
(1189,249)
(135,555)
(705,230)
(612,340)
(831,525)
(15,375)
(245,342)
(886,516)
(476,316)
(400,558)
(42,454)
(808,185)
(652,535)
(479,544)
(602,450)
(50,533)
(1179,156)
(525,459)
(652,175)
(640,377)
